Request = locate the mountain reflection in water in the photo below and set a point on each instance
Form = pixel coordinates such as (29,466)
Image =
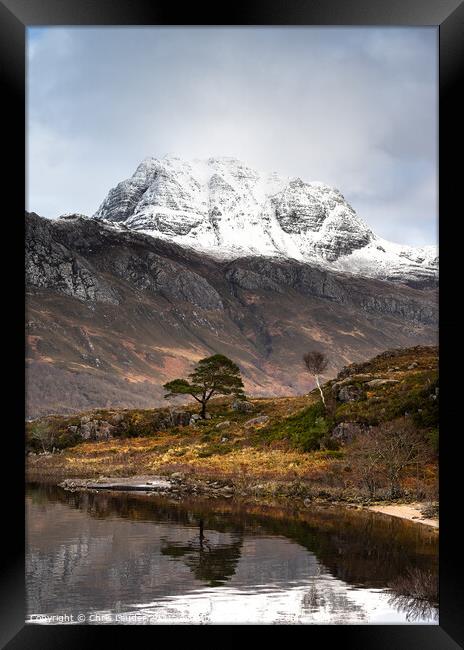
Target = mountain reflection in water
(131,554)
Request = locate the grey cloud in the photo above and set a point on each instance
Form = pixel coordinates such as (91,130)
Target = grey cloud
(355,108)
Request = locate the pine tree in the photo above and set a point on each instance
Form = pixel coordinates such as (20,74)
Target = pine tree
(215,375)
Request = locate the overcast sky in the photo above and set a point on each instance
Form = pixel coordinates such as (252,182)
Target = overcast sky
(353,107)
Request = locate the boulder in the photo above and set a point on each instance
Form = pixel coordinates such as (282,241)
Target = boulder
(103,430)
(346,431)
(349,381)
(86,431)
(363,377)
(180,418)
(242,406)
(259,420)
(350,394)
(381,382)
(95,429)
(196,417)
(223,425)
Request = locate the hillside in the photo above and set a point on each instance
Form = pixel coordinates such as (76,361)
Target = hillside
(281,446)
(113,314)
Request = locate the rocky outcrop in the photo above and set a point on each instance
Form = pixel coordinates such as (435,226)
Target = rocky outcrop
(261,419)
(96,427)
(374,383)
(181,418)
(371,296)
(242,406)
(175,282)
(50,264)
(92,429)
(386,358)
(74,256)
(350,394)
(346,432)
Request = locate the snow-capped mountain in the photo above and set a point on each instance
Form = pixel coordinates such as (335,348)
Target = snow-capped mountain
(228,210)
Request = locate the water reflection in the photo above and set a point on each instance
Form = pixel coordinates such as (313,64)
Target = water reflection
(416,593)
(333,602)
(211,561)
(202,561)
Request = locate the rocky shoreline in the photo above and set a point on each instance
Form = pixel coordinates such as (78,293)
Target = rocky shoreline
(177,487)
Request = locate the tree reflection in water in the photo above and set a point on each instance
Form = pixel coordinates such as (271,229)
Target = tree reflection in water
(213,563)
(416,594)
(324,596)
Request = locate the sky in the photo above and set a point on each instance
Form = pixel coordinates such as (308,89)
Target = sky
(356,108)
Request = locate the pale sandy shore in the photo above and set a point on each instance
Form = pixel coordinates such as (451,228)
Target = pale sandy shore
(411,511)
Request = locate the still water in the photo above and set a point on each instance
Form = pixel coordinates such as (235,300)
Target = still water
(139,559)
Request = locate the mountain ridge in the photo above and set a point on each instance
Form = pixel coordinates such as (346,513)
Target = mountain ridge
(228,210)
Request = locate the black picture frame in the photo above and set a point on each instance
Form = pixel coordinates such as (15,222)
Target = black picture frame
(15,17)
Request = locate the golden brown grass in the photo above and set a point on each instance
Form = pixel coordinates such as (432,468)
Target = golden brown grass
(167,453)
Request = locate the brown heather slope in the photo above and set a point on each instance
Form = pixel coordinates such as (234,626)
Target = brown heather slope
(112,315)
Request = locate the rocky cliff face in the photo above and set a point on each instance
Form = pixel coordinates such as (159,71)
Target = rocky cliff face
(224,208)
(112,314)
(50,263)
(72,255)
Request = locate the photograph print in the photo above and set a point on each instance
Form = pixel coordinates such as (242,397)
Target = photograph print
(232,325)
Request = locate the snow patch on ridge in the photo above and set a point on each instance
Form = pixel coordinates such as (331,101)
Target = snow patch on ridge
(226,209)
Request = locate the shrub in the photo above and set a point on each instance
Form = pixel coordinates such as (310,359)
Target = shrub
(382,456)
(68,439)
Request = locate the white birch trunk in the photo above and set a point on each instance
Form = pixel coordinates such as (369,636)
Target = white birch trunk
(320,389)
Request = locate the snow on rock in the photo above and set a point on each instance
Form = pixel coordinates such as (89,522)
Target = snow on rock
(224,208)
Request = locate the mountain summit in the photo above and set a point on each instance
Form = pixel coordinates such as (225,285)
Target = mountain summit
(228,210)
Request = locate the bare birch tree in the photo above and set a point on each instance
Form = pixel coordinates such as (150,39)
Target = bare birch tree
(316,363)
